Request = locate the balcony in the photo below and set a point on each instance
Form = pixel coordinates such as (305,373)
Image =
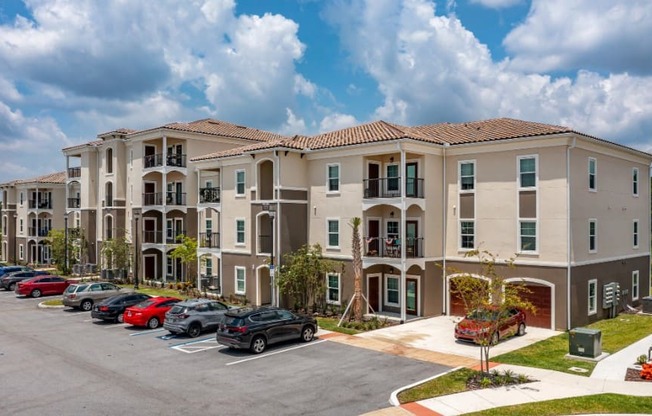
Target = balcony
(152,237)
(38,231)
(391,247)
(153,161)
(74,172)
(153,198)
(210,282)
(40,204)
(175,198)
(74,202)
(172,238)
(391,188)
(209,240)
(209,195)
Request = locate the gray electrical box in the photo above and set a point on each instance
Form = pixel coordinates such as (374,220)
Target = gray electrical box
(647,304)
(585,342)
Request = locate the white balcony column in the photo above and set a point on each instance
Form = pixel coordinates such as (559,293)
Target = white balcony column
(402,236)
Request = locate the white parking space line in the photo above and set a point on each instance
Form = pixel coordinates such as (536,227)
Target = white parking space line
(147,332)
(109,326)
(275,352)
(197,346)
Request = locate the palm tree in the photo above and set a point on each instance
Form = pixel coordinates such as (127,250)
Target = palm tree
(357,269)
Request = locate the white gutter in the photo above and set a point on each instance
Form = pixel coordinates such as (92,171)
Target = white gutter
(402,184)
(277,225)
(569,243)
(444,215)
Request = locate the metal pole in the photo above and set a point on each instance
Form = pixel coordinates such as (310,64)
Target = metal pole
(136,254)
(65,231)
(15,237)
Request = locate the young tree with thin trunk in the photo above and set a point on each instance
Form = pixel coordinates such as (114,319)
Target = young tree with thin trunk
(186,251)
(357,269)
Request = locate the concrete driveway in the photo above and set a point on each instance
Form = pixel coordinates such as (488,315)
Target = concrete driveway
(437,334)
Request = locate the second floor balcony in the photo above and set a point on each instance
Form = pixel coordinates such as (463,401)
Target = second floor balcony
(391,187)
(209,240)
(172,159)
(391,247)
(209,195)
(38,231)
(74,202)
(152,237)
(74,172)
(40,204)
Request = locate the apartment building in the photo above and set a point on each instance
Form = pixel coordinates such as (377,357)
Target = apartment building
(30,209)
(429,194)
(139,185)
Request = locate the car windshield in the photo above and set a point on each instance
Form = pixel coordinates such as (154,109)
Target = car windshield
(482,315)
(177,309)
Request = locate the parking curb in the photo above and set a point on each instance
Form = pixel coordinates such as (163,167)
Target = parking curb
(42,305)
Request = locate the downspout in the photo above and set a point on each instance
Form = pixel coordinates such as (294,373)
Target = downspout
(198,228)
(277,225)
(444,214)
(164,214)
(403,291)
(569,242)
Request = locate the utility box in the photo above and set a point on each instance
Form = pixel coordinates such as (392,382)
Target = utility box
(646,302)
(585,342)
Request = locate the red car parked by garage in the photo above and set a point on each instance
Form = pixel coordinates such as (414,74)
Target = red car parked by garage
(490,325)
(42,285)
(149,313)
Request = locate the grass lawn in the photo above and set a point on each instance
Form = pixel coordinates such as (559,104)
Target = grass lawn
(454,382)
(597,404)
(330,324)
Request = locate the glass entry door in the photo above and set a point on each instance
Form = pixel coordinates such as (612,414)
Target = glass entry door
(411,296)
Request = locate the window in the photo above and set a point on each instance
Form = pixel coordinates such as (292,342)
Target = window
(467,234)
(333,288)
(392,180)
(635,181)
(593,297)
(593,243)
(240,280)
(109,160)
(333,233)
(527,171)
(391,290)
(240,182)
(239,231)
(528,235)
(467,176)
(209,267)
(635,282)
(21,252)
(635,234)
(592,172)
(170,268)
(21,198)
(21,225)
(333,175)
(209,225)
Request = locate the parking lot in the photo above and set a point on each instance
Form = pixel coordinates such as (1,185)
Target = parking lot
(60,361)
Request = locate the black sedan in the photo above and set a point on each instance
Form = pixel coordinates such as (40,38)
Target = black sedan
(113,308)
(10,280)
(254,329)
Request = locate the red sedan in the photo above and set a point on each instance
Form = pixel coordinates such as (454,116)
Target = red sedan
(149,313)
(42,285)
(489,326)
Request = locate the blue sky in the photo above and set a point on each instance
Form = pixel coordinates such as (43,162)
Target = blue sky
(70,69)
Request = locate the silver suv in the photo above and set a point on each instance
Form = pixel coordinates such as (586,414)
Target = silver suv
(194,316)
(84,295)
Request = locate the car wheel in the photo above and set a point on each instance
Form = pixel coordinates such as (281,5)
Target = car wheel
(36,293)
(86,305)
(120,318)
(521,329)
(153,323)
(258,345)
(495,338)
(307,334)
(194,330)
(12,287)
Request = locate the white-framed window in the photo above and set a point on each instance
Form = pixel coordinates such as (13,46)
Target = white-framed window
(635,284)
(635,181)
(109,160)
(240,179)
(467,234)
(209,267)
(21,252)
(333,288)
(393,180)
(467,175)
(209,225)
(240,231)
(333,233)
(527,171)
(593,235)
(333,177)
(240,280)
(593,297)
(593,171)
(170,267)
(392,290)
(635,233)
(528,236)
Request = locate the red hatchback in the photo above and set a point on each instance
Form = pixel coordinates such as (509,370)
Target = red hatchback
(477,325)
(149,313)
(42,285)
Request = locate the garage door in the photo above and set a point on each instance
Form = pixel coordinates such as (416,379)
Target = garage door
(541,297)
(457,307)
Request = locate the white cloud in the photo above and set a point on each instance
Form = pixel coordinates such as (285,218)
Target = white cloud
(337,121)
(293,125)
(601,35)
(497,4)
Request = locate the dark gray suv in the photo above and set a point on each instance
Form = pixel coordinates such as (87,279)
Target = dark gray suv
(256,328)
(195,316)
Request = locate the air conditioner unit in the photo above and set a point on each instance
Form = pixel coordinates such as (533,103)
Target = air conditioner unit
(585,342)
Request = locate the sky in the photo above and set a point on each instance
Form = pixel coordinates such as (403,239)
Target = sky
(71,69)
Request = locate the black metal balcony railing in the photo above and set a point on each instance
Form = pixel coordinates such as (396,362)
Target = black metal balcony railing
(209,240)
(172,159)
(173,238)
(153,198)
(209,195)
(152,161)
(74,202)
(265,244)
(40,204)
(391,247)
(210,282)
(391,188)
(175,159)
(152,237)
(74,172)
(175,198)
(108,202)
(38,232)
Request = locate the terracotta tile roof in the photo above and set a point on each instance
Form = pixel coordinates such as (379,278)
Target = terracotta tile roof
(220,128)
(295,143)
(82,145)
(122,131)
(58,177)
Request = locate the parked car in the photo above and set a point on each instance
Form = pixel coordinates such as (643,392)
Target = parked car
(194,316)
(476,325)
(113,308)
(10,280)
(84,295)
(11,269)
(42,285)
(150,312)
(254,329)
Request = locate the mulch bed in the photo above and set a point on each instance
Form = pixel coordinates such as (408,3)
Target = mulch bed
(635,375)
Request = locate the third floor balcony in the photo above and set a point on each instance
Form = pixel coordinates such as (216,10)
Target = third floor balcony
(74,202)
(74,172)
(40,204)
(209,195)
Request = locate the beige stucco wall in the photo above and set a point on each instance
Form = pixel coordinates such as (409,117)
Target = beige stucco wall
(235,207)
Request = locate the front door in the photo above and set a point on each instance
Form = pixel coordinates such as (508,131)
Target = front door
(411,237)
(412,296)
(150,267)
(411,182)
(373,293)
(373,238)
(265,287)
(372,184)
